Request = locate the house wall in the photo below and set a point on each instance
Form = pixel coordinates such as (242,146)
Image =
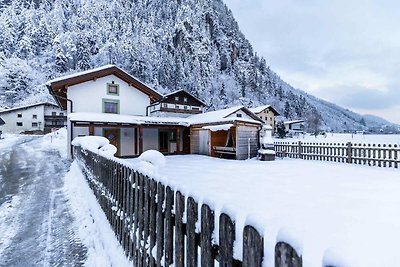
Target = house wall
(11,119)
(243,134)
(268,117)
(88,96)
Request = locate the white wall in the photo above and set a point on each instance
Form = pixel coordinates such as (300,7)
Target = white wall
(11,119)
(88,96)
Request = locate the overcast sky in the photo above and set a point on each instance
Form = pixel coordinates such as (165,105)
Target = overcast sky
(344,51)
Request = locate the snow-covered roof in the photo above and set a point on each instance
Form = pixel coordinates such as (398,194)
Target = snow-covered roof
(182,90)
(27,106)
(262,108)
(80,73)
(222,116)
(259,109)
(215,118)
(294,121)
(125,119)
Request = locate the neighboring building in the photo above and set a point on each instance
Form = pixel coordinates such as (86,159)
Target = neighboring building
(109,102)
(295,126)
(37,118)
(267,113)
(179,104)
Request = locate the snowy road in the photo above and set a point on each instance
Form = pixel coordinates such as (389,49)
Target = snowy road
(36,226)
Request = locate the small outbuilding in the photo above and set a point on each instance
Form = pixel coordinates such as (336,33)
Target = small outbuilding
(229,133)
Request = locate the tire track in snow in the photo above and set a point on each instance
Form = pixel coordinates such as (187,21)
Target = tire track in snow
(37,227)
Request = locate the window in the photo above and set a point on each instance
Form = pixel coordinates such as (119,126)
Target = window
(112,89)
(111,106)
(185,107)
(185,99)
(239,115)
(54,113)
(19,115)
(176,98)
(270,119)
(165,105)
(34,124)
(61,113)
(177,106)
(34,116)
(19,123)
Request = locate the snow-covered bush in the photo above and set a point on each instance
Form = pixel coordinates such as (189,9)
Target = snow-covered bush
(154,157)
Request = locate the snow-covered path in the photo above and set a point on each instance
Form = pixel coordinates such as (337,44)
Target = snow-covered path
(36,226)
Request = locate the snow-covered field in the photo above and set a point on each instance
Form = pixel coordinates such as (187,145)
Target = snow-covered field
(345,215)
(344,138)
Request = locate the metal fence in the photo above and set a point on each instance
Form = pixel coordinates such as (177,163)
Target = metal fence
(157,226)
(365,154)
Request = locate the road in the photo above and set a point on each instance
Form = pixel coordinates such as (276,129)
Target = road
(36,223)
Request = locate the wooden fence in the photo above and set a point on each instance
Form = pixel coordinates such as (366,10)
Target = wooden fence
(159,227)
(365,154)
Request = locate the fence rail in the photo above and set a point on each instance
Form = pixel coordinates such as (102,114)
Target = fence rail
(365,154)
(157,226)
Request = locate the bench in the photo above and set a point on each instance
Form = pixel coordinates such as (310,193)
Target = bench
(224,150)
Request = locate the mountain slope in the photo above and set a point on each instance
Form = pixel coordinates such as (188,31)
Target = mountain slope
(184,44)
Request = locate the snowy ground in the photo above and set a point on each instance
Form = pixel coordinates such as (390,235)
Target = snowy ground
(48,216)
(344,138)
(347,214)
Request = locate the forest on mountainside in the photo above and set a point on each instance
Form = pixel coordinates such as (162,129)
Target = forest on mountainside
(194,45)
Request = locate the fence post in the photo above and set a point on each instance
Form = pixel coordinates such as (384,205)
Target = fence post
(192,217)
(299,151)
(286,256)
(160,223)
(226,239)
(349,153)
(253,247)
(179,233)
(207,228)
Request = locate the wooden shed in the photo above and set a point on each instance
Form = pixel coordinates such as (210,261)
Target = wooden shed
(235,137)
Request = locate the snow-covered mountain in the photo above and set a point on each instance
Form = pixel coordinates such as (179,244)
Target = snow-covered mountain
(184,44)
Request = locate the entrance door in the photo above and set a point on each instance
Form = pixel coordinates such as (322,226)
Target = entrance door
(163,141)
(113,136)
(204,142)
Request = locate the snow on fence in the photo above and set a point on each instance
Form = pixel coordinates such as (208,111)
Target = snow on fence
(365,154)
(157,227)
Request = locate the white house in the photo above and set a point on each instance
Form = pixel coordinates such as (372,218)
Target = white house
(295,126)
(37,118)
(109,102)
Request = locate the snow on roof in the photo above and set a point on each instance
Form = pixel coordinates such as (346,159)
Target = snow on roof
(80,73)
(220,116)
(215,128)
(125,119)
(216,117)
(27,106)
(294,121)
(259,109)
